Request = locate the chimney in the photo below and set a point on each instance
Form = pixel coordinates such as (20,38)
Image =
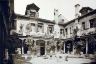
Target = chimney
(77,6)
(56,15)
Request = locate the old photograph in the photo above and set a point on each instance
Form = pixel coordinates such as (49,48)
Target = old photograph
(47,31)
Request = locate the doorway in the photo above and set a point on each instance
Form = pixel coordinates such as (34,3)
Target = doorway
(42,50)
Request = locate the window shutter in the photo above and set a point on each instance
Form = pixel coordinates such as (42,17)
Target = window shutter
(47,30)
(52,29)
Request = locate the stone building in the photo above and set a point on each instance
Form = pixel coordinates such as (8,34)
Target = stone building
(40,36)
(86,23)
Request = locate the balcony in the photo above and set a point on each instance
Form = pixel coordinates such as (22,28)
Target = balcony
(84,32)
(88,31)
(92,30)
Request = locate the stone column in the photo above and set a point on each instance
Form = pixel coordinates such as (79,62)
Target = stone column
(34,42)
(64,47)
(56,47)
(86,45)
(35,46)
(73,47)
(45,47)
(22,48)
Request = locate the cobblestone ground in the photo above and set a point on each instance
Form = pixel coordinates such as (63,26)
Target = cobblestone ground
(55,59)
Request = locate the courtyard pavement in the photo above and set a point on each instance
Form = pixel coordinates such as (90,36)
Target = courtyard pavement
(41,60)
(56,60)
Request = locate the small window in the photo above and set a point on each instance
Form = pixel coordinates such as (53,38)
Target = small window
(32,24)
(50,29)
(92,23)
(61,31)
(83,25)
(66,31)
(32,14)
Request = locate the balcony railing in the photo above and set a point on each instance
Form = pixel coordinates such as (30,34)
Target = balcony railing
(81,33)
(86,32)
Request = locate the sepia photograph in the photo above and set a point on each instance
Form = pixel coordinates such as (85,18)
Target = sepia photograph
(47,31)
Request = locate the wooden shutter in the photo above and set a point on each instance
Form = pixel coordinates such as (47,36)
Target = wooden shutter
(43,28)
(48,30)
(52,29)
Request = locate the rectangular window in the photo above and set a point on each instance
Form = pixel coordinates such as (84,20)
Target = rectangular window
(66,31)
(50,29)
(92,23)
(32,24)
(39,28)
(83,25)
(33,27)
(61,31)
(32,14)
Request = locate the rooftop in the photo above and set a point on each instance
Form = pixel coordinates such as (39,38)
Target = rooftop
(32,6)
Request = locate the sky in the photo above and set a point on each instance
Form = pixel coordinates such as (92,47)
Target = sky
(65,7)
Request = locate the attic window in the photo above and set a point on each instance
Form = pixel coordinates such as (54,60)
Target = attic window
(32,24)
(83,25)
(62,19)
(32,14)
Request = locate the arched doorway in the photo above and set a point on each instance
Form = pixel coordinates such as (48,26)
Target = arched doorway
(90,46)
(68,47)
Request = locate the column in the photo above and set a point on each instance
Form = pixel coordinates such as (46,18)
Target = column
(56,47)
(45,47)
(34,43)
(86,45)
(35,46)
(73,47)
(22,48)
